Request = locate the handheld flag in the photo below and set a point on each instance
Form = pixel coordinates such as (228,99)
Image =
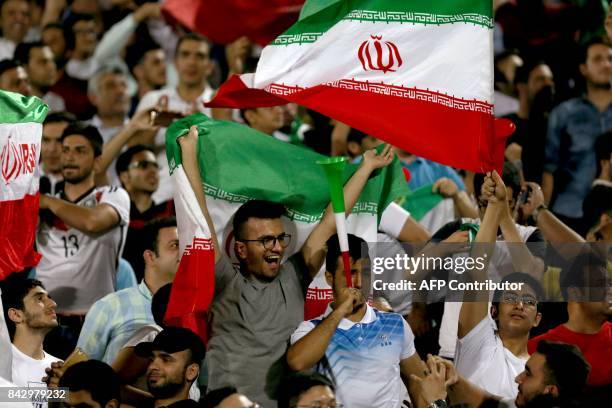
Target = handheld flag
(417,74)
(333,167)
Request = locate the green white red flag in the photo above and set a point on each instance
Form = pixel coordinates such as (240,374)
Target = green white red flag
(21,121)
(237,164)
(417,74)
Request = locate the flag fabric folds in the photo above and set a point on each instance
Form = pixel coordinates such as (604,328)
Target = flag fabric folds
(238,164)
(224,21)
(21,120)
(417,74)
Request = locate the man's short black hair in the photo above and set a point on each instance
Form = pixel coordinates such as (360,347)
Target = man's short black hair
(521,76)
(573,275)
(125,158)
(89,132)
(14,289)
(193,37)
(296,384)
(356,136)
(159,304)
(69,23)
(333,251)
(215,397)
(255,209)
(565,367)
(136,52)
(584,51)
(7,64)
(150,232)
(59,117)
(520,277)
(96,377)
(510,176)
(23,50)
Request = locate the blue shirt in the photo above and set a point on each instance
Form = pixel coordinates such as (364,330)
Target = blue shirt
(112,320)
(365,357)
(573,127)
(424,172)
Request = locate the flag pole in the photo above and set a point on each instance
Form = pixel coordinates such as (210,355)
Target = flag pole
(334,167)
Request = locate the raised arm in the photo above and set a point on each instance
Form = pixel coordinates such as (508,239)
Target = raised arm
(189,150)
(553,229)
(100,218)
(313,250)
(475,308)
(138,125)
(310,349)
(449,189)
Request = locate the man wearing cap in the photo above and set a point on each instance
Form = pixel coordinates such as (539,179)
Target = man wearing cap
(175,358)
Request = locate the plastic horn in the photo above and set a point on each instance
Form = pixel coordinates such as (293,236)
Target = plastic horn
(334,168)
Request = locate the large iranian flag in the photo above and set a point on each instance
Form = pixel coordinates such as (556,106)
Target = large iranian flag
(21,120)
(237,164)
(418,74)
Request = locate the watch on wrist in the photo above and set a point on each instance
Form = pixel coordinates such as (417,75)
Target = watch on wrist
(438,404)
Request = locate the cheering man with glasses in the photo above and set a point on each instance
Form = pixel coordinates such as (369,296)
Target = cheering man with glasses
(138,171)
(256,308)
(492,348)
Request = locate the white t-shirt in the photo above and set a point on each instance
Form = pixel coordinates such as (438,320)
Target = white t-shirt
(5,383)
(483,360)
(79,268)
(450,319)
(28,372)
(364,357)
(173,102)
(7,48)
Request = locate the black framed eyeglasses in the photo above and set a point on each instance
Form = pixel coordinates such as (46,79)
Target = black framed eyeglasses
(269,242)
(513,299)
(144,165)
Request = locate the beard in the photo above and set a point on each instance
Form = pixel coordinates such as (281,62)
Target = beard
(168,389)
(78,177)
(36,321)
(543,401)
(603,85)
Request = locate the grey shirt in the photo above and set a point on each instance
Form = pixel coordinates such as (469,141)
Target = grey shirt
(251,323)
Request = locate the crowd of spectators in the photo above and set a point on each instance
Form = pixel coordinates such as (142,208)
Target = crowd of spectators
(90,316)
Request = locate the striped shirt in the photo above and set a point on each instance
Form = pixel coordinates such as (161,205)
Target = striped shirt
(112,320)
(365,357)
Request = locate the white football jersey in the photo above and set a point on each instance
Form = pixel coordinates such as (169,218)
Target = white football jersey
(78,268)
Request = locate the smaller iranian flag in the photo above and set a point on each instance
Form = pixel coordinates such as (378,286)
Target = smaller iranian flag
(417,74)
(334,167)
(238,164)
(21,121)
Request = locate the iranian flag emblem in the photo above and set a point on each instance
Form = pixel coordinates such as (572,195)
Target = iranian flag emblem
(417,74)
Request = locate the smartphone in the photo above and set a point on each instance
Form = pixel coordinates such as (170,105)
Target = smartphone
(164,118)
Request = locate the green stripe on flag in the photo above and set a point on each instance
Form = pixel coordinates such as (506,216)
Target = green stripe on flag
(239,163)
(21,109)
(420,201)
(318,16)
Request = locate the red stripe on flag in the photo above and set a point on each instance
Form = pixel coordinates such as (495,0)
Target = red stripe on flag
(225,21)
(193,289)
(17,234)
(462,138)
